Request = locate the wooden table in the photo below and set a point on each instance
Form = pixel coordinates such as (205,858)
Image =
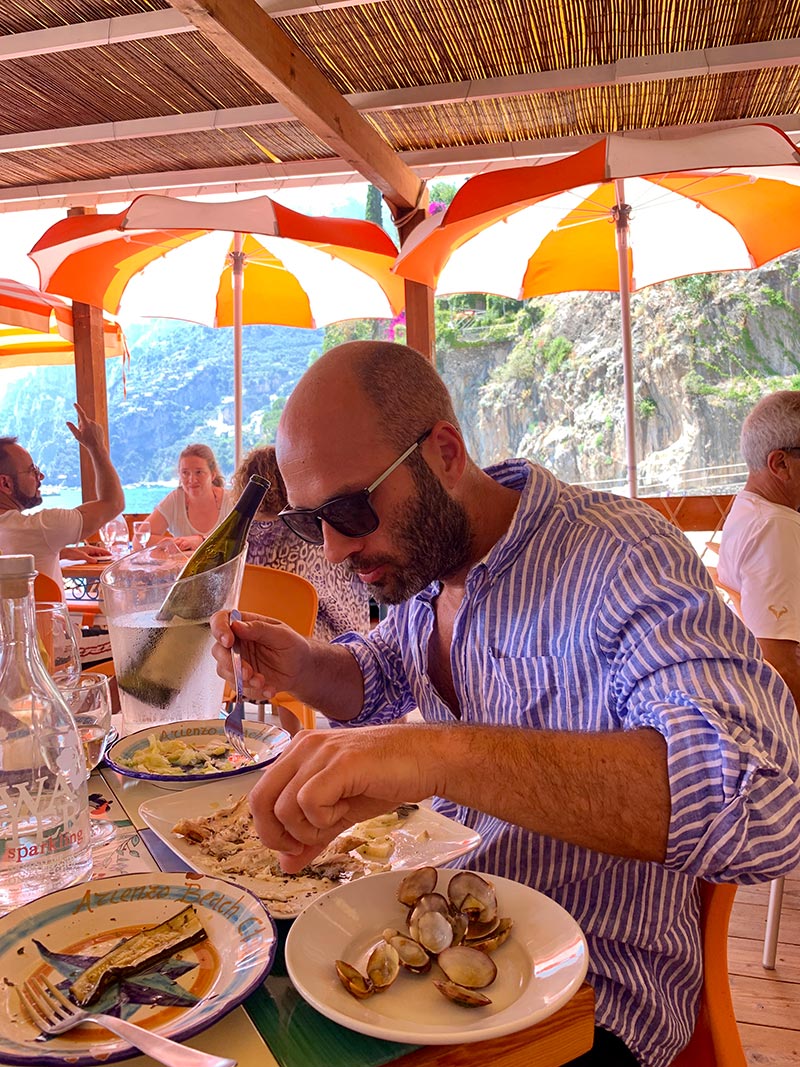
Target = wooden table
(560,1038)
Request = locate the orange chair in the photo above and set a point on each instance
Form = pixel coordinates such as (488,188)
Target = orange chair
(715,1041)
(291,599)
(46,590)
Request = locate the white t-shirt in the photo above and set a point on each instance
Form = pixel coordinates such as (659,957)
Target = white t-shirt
(760,558)
(173,508)
(42,535)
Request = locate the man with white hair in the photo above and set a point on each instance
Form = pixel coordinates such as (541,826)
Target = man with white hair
(761,540)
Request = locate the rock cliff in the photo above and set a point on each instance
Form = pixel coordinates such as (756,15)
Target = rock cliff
(549,384)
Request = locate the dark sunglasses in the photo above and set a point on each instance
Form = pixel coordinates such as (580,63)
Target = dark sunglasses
(351,515)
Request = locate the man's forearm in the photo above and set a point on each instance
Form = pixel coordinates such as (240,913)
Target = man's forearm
(107,483)
(604,791)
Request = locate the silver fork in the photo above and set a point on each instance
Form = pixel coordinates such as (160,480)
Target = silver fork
(235,717)
(52,1013)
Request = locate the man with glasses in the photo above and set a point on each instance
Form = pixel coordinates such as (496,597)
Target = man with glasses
(46,533)
(589,705)
(760,549)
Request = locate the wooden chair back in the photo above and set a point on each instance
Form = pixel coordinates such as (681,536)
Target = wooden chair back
(715,1041)
(291,599)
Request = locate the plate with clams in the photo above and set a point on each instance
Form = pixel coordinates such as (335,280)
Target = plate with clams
(436,957)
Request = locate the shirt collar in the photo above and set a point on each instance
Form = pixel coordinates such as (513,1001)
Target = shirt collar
(539,490)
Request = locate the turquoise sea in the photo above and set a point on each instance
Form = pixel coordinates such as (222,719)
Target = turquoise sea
(138,498)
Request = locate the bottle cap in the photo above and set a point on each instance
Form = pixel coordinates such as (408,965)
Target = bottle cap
(17,567)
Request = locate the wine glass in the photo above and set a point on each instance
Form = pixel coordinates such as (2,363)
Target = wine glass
(89,700)
(114,535)
(58,642)
(141,534)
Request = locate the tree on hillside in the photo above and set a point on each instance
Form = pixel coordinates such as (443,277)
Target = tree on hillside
(374,211)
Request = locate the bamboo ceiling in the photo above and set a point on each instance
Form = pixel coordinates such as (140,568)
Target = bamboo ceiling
(405,51)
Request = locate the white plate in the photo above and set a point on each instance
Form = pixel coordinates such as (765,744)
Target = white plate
(90,918)
(265,741)
(425,838)
(539,968)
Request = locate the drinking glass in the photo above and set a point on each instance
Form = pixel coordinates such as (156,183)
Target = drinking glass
(89,700)
(114,536)
(58,642)
(141,534)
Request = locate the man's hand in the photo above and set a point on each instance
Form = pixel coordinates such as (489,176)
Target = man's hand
(273,655)
(326,781)
(85,553)
(88,432)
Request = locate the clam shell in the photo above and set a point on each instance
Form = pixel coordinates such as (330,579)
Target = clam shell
(469,998)
(354,981)
(383,966)
(433,931)
(468,966)
(416,885)
(473,895)
(412,955)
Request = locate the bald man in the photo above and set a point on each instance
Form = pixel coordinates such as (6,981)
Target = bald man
(590,707)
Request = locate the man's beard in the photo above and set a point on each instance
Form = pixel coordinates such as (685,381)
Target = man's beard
(431,541)
(23,501)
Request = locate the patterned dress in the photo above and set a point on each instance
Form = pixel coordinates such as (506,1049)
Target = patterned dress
(343,601)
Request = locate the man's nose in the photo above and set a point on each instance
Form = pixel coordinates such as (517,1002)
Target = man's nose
(336,546)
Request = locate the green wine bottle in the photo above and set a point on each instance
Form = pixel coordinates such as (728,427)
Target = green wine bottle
(223,544)
(166,654)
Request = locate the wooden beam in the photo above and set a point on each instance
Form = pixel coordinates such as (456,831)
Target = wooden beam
(249,38)
(90,373)
(642,69)
(428,164)
(420,321)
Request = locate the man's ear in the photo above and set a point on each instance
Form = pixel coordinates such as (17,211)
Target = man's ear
(777,465)
(448,454)
(6,483)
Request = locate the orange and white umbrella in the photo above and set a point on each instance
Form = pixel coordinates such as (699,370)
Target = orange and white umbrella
(36,328)
(223,264)
(620,215)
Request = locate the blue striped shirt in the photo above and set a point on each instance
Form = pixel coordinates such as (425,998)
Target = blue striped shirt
(594,613)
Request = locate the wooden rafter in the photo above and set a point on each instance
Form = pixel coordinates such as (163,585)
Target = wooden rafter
(427,164)
(249,38)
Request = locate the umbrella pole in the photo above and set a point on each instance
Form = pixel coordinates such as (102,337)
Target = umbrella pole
(238,285)
(622,213)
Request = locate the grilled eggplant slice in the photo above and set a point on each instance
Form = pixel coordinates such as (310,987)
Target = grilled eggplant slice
(137,953)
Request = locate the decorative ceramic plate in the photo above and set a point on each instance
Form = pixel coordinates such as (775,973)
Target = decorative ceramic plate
(539,968)
(58,935)
(265,741)
(425,838)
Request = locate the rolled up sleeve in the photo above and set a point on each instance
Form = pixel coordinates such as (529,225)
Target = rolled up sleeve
(687,667)
(386,690)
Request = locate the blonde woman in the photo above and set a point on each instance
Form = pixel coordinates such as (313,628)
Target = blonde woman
(190,512)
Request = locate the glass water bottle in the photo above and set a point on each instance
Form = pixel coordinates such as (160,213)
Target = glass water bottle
(44,809)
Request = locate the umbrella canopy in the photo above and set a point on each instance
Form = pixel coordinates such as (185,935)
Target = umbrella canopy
(727,200)
(223,264)
(36,328)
